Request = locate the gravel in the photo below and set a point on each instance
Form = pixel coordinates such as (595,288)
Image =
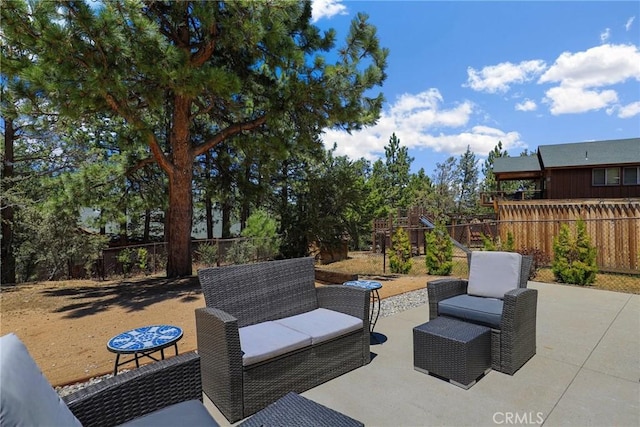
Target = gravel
(388,306)
(398,303)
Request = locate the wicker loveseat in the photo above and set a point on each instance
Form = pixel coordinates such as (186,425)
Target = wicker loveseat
(268,330)
(496,296)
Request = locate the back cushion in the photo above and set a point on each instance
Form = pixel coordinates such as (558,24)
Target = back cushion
(258,292)
(492,274)
(26,397)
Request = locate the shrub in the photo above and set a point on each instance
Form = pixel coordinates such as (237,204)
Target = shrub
(489,244)
(143,260)
(263,228)
(574,258)
(540,259)
(439,256)
(125,258)
(241,252)
(208,254)
(400,256)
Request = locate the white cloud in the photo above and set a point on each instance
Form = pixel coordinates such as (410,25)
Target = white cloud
(420,122)
(571,99)
(629,23)
(526,105)
(498,78)
(604,36)
(326,9)
(599,66)
(630,110)
(583,75)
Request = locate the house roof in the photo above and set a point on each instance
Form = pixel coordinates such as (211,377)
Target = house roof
(516,164)
(610,152)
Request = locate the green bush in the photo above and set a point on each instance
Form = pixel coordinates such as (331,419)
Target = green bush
(263,229)
(125,258)
(241,252)
(574,259)
(439,256)
(143,260)
(400,256)
(208,254)
(489,244)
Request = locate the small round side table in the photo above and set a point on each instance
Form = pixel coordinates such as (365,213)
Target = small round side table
(372,286)
(142,342)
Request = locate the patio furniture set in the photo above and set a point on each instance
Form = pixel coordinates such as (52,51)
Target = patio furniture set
(485,322)
(268,333)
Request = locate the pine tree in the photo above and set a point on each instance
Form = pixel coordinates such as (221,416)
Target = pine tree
(574,259)
(236,67)
(439,256)
(400,257)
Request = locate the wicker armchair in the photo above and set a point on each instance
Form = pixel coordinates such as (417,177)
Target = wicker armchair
(510,315)
(242,296)
(167,392)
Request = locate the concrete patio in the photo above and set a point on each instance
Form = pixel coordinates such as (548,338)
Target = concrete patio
(586,372)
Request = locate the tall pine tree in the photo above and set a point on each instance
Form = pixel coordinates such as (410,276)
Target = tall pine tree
(237,66)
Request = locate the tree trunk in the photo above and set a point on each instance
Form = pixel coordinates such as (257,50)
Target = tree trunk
(208,206)
(180,213)
(8,260)
(147,226)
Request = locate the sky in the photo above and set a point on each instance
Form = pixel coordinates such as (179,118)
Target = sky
(472,73)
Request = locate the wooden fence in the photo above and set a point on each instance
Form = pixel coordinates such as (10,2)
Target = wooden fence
(613,225)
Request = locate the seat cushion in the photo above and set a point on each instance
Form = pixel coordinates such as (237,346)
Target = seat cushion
(189,413)
(26,397)
(267,340)
(479,310)
(492,274)
(322,324)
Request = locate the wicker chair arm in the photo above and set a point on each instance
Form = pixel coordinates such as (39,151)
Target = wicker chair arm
(345,299)
(441,289)
(135,393)
(520,306)
(221,359)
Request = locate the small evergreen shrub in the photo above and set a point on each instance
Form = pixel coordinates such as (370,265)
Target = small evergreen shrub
(439,256)
(400,256)
(143,260)
(208,254)
(263,229)
(125,258)
(574,259)
(488,244)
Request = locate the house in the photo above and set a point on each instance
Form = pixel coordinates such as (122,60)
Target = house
(585,170)
(597,182)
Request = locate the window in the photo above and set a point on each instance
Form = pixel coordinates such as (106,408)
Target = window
(606,176)
(631,176)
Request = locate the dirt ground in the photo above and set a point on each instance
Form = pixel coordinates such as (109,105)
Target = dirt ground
(66,325)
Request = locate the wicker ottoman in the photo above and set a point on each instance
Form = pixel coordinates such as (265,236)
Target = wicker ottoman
(297,411)
(452,349)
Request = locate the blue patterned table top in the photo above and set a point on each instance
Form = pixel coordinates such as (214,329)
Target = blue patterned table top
(145,338)
(365,284)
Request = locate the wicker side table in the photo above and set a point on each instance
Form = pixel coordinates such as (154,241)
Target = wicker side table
(452,349)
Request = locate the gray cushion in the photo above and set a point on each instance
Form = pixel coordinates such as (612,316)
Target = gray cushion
(322,324)
(266,340)
(480,310)
(492,274)
(26,397)
(189,413)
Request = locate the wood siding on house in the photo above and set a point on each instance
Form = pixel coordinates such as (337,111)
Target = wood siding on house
(613,225)
(577,184)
